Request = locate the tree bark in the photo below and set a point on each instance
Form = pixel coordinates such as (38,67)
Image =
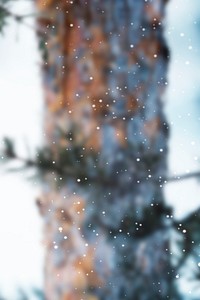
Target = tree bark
(104,73)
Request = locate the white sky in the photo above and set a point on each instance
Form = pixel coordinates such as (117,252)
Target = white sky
(21,253)
(182,103)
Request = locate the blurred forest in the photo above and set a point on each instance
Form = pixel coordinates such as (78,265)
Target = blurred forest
(108,232)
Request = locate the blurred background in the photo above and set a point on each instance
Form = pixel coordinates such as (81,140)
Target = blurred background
(21,250)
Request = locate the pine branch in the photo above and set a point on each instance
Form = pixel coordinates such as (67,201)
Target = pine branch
(16,16)
(189,228)
(75,172)
(20,19)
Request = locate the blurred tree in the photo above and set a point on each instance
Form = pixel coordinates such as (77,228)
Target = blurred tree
(104,73)
(103,165)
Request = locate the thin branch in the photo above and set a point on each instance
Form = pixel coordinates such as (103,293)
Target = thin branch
(182,177)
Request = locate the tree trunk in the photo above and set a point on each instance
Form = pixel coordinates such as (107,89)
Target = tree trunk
(104,74)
